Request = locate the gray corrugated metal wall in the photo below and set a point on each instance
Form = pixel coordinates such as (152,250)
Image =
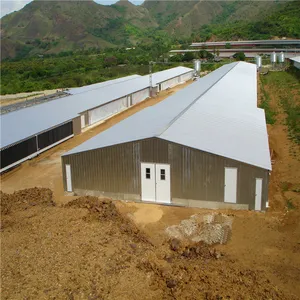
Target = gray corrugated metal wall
(194,174)
(77,125)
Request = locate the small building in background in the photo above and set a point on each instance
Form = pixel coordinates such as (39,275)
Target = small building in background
(296,62)
(205,146)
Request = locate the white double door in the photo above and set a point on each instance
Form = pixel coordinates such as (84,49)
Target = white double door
(156,182)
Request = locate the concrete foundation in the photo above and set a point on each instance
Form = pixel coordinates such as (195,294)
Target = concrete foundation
(209,204)
(115,196)
(175,201)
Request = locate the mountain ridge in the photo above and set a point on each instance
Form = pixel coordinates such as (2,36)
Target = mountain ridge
(55,26)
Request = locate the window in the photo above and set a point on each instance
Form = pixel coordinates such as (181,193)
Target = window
(162,174)
(148,176)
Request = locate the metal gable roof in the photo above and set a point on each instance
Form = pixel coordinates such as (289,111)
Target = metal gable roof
(296,59)
(216,114)
(20,124)
(95,86)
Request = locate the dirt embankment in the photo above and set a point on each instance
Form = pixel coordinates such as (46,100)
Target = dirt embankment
(88,249)
(284,187)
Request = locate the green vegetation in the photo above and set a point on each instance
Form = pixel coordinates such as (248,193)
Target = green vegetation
(290,205)
(265,104)
(286,87)
(72,69)
(85,24)
(240,56)
(283,22)
(284,186)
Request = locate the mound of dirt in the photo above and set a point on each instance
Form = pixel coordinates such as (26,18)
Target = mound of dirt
(195,272)
(193,249)
(102,209)
(24,199)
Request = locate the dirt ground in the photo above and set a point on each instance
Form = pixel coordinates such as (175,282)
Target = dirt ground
(93,249)
(54,246)
(285,176)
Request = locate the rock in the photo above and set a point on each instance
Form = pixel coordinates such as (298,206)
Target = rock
(133,246)
(171,283)
(174,244)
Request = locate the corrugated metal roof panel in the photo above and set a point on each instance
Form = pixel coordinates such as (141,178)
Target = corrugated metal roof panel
(296,59)
(216,114)
(91,87)
(35,119)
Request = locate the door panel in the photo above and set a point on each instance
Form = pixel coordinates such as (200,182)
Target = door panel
(148,181)
(163,189)
(230,185)
(68,178)
(258,191)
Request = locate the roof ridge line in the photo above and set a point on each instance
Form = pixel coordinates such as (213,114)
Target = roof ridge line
(192,103)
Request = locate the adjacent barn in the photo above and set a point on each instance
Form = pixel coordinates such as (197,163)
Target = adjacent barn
(205,146)
(27,132)
(296,62)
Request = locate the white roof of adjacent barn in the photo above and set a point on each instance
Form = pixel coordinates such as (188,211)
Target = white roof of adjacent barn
(296,59)
(216,114)
(95,86)
(21,124)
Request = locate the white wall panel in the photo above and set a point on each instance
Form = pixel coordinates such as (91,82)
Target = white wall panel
(107,110)
(140,96)
(169,83)
(186,77)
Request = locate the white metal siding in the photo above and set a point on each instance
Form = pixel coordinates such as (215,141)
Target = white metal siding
(297,64)
(82,119)
(169,83)
(140,96)
(107,110)
(186,77)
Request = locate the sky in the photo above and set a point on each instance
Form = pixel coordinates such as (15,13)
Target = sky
(9,6)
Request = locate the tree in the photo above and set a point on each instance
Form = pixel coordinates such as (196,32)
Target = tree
(227,45)
(188,56)
(239,56)
(176,58)
(110,61)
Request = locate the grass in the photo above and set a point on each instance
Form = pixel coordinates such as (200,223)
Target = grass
(290,205)
(265,104)
(286,88)
(284,186)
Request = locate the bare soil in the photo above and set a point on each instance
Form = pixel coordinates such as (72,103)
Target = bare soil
(285,175)
(90,249)
(62,247)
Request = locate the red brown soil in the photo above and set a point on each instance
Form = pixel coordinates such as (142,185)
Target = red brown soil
(88,249)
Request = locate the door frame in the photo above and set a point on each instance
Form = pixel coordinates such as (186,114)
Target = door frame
(256,179)
(154,163)
(163,164)
(236,187)
(69,186)
(142,179)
